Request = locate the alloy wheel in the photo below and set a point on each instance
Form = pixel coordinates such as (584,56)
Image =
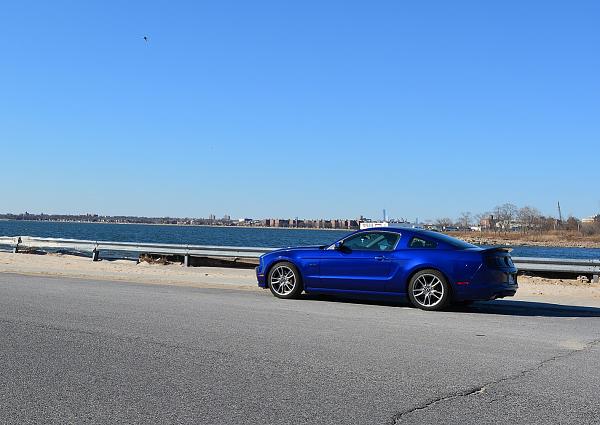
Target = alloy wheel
(428,290)
(283,280)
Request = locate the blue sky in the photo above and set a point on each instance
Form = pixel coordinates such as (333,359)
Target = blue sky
(310,109)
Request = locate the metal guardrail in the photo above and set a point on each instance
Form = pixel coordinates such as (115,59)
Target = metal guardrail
(95,247)
(528,264)
(561,265)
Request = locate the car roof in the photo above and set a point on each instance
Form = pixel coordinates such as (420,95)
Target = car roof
(410,231)
(406,230)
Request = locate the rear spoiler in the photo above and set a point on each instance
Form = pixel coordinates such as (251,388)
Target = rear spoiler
(497,249)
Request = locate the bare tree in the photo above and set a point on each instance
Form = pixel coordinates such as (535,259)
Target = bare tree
(573,224)
(510,212)
(443,222)
(465,219)
(506,214)
(593,228)
(530,218)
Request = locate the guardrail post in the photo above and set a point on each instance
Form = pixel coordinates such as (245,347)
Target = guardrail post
(16,247)
(95,254)
(186,260)
(596,279)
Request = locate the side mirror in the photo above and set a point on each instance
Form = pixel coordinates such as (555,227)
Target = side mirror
(338,245)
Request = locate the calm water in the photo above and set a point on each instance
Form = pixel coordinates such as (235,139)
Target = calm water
(232,236)
(195,235)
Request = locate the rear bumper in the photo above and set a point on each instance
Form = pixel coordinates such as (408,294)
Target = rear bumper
(490,293)
(488,285)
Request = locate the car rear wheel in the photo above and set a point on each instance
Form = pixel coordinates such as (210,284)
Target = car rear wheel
(284,280)
(429,290)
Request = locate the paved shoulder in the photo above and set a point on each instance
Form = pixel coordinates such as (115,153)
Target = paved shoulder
(90,351)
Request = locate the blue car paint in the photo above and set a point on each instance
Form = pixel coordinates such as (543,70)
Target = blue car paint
(387,273)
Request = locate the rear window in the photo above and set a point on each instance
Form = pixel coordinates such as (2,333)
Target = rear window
(421,243)
(457,243)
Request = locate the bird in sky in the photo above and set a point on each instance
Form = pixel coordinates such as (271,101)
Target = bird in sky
(146,38)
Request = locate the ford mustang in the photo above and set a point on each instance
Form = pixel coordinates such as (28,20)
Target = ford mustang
(432,269)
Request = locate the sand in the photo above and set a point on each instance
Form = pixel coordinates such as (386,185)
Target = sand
(558,291)
(126,271)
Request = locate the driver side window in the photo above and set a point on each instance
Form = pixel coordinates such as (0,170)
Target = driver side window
(372,241)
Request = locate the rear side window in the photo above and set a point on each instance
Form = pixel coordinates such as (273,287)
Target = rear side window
(456,243)
(421,243)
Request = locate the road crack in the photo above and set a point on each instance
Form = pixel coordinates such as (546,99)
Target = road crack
(474,391)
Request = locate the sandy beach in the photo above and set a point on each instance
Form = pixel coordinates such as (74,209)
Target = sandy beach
(532,288)
(126,271)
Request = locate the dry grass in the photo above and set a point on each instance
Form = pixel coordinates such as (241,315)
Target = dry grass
(551,238)
(154,259)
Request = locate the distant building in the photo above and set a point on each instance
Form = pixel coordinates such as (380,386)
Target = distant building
(488,223)
(351,224)
(373,224)
(298,223)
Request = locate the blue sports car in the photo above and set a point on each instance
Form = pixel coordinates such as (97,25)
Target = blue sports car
(431,269)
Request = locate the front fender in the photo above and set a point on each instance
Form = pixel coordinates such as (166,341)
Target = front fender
(306,261)
(267,263)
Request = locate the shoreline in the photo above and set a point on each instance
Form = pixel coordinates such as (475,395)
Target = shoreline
(550,240)
(179,225)
(521,241)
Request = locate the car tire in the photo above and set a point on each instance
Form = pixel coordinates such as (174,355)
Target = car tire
(429,290)
(284,280)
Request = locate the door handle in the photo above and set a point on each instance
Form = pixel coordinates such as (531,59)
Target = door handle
(380,258)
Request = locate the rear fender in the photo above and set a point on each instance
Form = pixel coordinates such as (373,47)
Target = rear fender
(420,267)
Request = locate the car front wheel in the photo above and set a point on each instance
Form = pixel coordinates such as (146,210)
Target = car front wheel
(429,290)
(284,280)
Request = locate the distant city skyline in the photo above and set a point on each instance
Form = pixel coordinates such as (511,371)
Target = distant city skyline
(375,215)
(505,210)
(309,109)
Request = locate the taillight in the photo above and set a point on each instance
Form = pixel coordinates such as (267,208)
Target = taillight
(496,262)
(491,262)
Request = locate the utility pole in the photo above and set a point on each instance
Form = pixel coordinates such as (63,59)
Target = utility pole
(559,221)
(559,213)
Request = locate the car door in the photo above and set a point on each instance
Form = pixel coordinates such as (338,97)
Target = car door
(409,253)
(360,263)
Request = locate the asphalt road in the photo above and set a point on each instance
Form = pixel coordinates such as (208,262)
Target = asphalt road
(99,352)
